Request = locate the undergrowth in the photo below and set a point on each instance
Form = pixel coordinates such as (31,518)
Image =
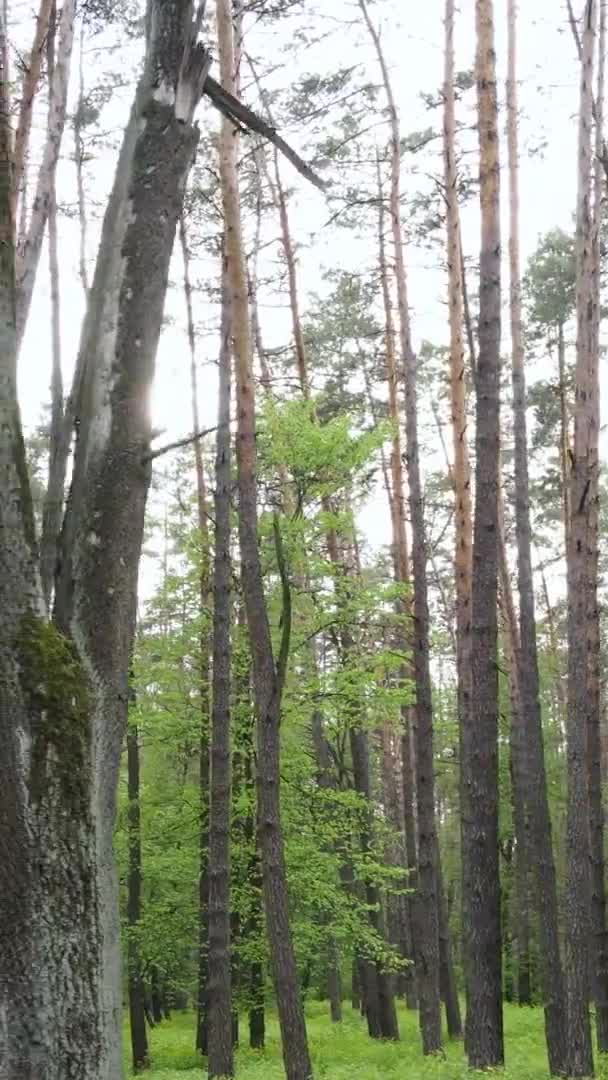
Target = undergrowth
(344,1051)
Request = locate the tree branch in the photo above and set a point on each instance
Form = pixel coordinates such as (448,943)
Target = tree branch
(177,445)
(236,111)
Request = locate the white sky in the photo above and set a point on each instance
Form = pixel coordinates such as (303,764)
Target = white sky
(413,39)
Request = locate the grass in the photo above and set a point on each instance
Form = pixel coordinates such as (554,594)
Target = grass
(345,1052)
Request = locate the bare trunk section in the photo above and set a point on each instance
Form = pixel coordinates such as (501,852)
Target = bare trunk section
(29,255)
(581,553)
(221,1063)
(79,155)
(479,791)
(137,1012)
(396,496)
(426,900)
(267,678)
(599,935)
(202,1002)
(521,913)
(461,471)
(532,758)
(29,89)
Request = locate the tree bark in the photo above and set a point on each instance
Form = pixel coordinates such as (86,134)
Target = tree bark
(479,811)
(65,803)
(221,1062)
(583,479)
(137,1012)
(599,936)
(29,89)
(532,758)
(267,678)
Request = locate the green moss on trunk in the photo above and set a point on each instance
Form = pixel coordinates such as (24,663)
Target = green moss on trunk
(57,691)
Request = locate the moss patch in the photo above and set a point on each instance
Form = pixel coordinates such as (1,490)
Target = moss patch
(56,690)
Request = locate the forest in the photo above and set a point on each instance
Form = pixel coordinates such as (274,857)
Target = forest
(303,638)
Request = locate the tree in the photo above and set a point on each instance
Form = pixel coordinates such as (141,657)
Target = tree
(532,758)
(268,678)
(65,683)
(137,1014)
(581,555)
(426,900)
(481,884)
(219,985)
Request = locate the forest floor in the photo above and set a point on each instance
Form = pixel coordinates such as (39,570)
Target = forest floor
(345,1052)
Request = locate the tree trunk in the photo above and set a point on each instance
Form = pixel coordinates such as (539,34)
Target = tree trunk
(461,471)
(581,553)
(479,811)
(599,936)
(267,679)
(59,774)
(531,758)
(449,988)
(202,1001)
(28,256)
(221,1062)
(46,13)
(137,1012)
(426,936)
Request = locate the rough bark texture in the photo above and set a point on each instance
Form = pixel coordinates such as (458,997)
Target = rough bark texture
(479,792)
(531,758)
(599,935)
(267,680)
(63,737)
(583,479)
(137,1012)
(219,986)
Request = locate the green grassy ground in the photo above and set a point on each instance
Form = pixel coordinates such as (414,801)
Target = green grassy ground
(344,1052)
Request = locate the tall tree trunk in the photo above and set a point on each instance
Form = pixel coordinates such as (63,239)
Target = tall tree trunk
(599,936)
(28,256)
(479,793)
(581,554)
(426,901)
(267,678)
(202,1001)
(29,88)
(532,758)
(521,908)
(461,472)
(221,1062)
(60,772)
(137,1012)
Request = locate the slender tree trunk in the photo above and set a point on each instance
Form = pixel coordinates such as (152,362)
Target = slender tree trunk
(564,429)
(521,912)
(28,256)
(202,1021)
(137,1012)
(267,679)
(426,901)
(479,812)
(29,89)
(581,554)
(532,759)
(599,936)
(461,472)
(219,986)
